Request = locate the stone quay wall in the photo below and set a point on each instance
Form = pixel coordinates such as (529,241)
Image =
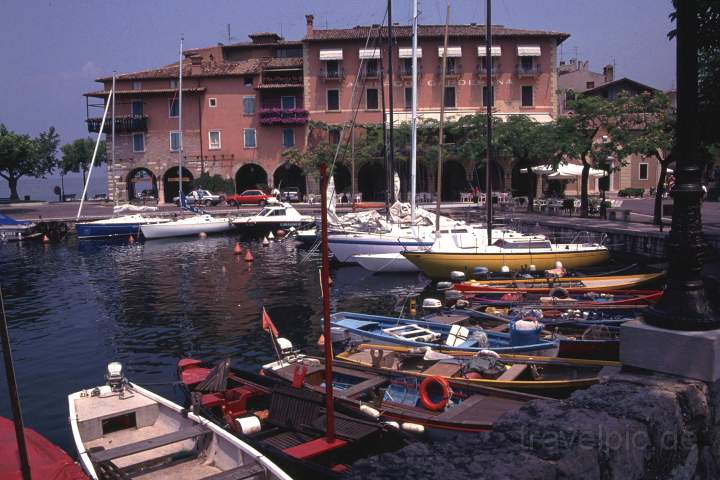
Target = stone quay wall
(634,425)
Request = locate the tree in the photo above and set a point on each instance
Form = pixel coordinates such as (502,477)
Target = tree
(215,183)
(531,144)
(22,155)
(78,155)
(646,126)
(579,137)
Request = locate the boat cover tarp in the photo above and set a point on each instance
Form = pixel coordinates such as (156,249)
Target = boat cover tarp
(47,461)
(133,208)
(6,220)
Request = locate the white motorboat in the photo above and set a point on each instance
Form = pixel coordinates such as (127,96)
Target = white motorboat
(272,218)
(122,430)
(193,225)
(386,263)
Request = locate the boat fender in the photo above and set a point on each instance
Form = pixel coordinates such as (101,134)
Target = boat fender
(505,269)
(392,424)
(413,427)
(425,393)
(370,411)
(558,292)
(462,303)
(441,286)
(489,353)
(248,425)
(457,276)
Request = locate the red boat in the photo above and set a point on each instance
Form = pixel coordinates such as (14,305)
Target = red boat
(47,460)
(559,298)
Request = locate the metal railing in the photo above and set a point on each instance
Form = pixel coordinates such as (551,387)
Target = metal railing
(528,71)
(127,124)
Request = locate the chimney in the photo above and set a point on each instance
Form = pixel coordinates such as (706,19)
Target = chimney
(196,65)
(609,73)
(309,20)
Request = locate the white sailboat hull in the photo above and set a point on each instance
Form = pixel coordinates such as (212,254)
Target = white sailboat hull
(186,227)
(386,263)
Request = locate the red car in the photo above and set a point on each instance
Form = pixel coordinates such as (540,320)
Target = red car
(250,197)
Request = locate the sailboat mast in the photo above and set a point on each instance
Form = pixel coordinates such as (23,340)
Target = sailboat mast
(442,122)
(180,149)
(112,140)
(14,395)
(490,101)
(388,169)
(325,285)
(413,132)
(391,153)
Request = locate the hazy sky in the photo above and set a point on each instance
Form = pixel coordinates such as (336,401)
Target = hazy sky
(54,49)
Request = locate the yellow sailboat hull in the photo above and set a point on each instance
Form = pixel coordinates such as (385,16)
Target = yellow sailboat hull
(438,265)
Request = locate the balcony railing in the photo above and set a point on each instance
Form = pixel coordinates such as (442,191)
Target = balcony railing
(451,70)
(274,81)
(480,70)
(528,71)
(336,74)
(133,123)
(407,71)
(278,116)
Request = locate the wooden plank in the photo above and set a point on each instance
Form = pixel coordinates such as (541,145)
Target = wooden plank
(361,387)
(148,444)
(443,369)
(238,473)
(513,372)
(313,448)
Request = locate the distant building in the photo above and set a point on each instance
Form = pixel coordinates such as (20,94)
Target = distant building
(575,77)
(246,103)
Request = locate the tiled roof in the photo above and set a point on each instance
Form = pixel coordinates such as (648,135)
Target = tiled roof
(626,82)
(209,69)
(430,31)
(147,91)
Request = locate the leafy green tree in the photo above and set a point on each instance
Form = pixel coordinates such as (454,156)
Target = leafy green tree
(78,155)
(214,183)
(646,126)
(531,144)
(580,136)
(22,155)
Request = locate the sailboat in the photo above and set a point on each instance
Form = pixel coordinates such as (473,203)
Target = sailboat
(118,225)
(201,222)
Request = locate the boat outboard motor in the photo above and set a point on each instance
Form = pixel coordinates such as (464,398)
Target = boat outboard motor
(480,273)
(115,378)
(442,286)
(451,297)
(457,276)
(431,305)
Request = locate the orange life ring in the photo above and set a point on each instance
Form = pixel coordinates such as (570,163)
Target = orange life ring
(425,394)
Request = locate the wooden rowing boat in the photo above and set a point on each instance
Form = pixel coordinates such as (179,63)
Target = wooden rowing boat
(556,377)
(561,298)
(571,284)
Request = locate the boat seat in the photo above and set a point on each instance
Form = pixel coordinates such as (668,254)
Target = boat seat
(314,448)
(361,387)
(148,444)
(292,407)
(513,372)
(412,332)
(238,473)
(457,336)
(444,369)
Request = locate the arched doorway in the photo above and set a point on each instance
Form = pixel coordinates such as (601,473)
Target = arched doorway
(250,176)
(520,182)
(454,181)
(170,183)
(371,182)
(343,179)
(141,182)
(497,177)
(288,175)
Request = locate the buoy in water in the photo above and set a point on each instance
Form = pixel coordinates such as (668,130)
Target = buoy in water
(266,242)
(46,239)
(271,236)
(281,233)
(505,269)
(131,239)
(203,235)
(238,249)
(249,256)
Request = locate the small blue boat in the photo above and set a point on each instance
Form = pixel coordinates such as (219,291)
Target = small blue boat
(12,230)
(418,333)
(116,227)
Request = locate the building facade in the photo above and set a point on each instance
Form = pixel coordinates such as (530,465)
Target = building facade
(245,104)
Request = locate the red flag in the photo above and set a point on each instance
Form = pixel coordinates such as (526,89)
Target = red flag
(268,325)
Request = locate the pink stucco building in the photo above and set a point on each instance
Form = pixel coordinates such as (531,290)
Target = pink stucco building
(246,103)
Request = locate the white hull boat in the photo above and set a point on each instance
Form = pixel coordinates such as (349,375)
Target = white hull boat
(186,226)
(122,430)
(272,218)
(386,263)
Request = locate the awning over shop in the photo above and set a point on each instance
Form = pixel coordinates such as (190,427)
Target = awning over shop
(369,53)
(407,53)
(528,51)
(331,54)
(564,172)
(494,51)
(451,52)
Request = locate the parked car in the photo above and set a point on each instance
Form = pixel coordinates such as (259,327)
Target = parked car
(250,197)
(290,194)
(201,197)
(147,194)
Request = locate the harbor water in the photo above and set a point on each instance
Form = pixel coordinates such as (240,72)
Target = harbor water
(77,305)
